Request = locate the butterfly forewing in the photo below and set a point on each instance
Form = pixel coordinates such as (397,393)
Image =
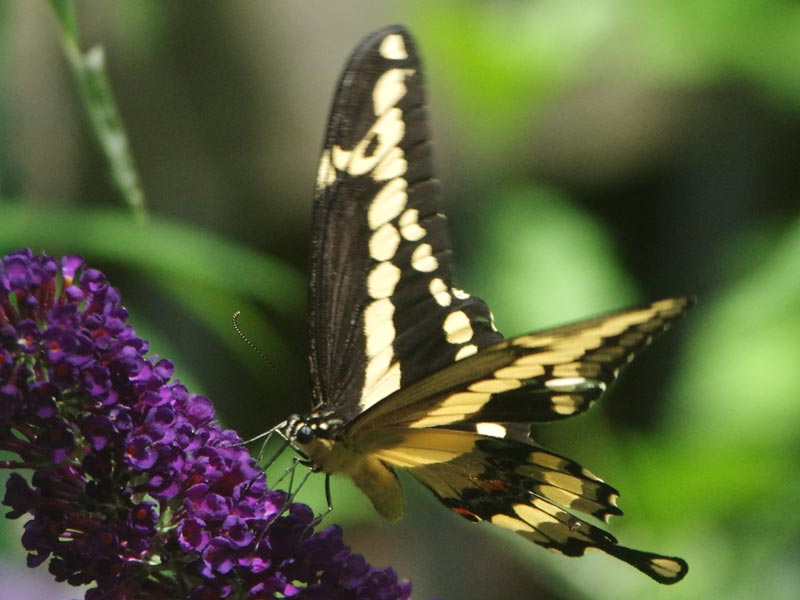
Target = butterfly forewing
(384,312)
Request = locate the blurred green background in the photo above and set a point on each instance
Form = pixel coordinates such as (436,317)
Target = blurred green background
(593,156)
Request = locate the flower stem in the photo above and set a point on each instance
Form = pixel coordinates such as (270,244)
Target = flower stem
(88,70)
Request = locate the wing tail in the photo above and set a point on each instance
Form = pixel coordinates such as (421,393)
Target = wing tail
(664,569)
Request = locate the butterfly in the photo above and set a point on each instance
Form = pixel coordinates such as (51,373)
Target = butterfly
(409,372)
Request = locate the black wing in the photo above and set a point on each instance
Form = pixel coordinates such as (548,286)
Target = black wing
(384,312)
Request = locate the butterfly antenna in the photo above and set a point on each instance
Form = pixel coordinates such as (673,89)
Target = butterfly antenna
(290,471)
(267,434)
(248,341)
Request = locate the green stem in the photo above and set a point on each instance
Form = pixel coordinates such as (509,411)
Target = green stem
(88,69)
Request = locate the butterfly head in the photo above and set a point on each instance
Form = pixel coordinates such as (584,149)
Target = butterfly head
(312,435)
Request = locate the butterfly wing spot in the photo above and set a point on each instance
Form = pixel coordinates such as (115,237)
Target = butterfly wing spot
(547,460)
(491,485)
(457,327)
(664,569)
(438,290)
(668,568)
(456,407)
(380,338)
(491,430)
(465,351)
(393,47)
(619,323)
(377,366)
(340,158)
(382,376)
(378,326)
(414,448)
(567,498)
(389,89)
(382,379)
(423,260)
(518,526)
(535,514)
(389,202)
(519,370)
(380,144)
(382,280)
(567,404)
(495,386)
(569,383)
(561,480)
(557,356)
(391,166)
(326,173)
(466,513)
(581,370)
(460,294)
(410,227)
(384,242)
(389,129)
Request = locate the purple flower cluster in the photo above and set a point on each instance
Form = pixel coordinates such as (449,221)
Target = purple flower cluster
(135,488)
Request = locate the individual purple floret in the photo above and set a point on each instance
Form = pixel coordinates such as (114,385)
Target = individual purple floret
(135,489)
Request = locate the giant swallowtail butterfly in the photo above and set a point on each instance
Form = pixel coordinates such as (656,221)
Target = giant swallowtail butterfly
(409,372)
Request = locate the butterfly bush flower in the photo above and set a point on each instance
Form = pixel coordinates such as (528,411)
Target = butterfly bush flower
(135,489)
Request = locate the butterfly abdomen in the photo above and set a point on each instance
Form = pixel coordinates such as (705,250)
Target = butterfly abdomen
(371,475)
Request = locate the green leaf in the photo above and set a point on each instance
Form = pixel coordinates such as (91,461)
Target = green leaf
(159,247)
(542,262)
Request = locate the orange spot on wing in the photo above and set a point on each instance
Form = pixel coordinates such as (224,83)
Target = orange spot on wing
(466,513)
(491,485)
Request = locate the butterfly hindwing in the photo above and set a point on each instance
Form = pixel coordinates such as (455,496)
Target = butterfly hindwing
(384,312)
(515,484)
(460,466)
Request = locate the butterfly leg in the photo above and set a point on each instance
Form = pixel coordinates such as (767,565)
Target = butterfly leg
(329,501)
(289,472)
(283,445)
(289,494)
(294,492)
(328,498)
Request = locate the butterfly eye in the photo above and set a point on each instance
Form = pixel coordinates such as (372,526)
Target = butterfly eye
(304,435)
